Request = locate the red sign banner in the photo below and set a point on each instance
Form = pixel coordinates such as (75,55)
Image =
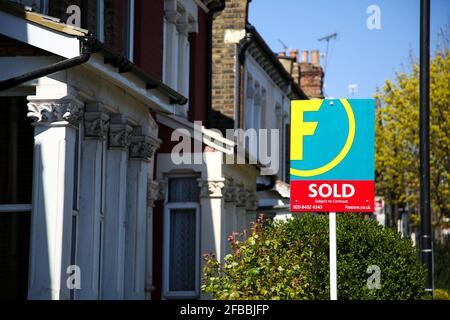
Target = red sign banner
(332,196)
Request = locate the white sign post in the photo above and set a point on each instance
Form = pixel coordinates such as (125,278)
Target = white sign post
(333,266)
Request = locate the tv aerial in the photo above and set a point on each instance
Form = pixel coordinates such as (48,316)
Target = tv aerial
(327,38)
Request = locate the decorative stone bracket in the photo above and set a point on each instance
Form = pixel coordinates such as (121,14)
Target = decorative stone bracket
(47,112)
(152,192)
(96,125)
(143,147)
(230,191)
(119,136)
(211,188)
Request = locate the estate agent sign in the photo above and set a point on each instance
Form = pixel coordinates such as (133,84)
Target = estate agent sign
(332,155)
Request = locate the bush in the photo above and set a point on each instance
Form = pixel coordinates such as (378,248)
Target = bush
(441,294)
(289,260)
(442,265)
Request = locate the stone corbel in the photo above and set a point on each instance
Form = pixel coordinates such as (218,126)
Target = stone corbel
(143,147)
(183,24)
(152,192)
(96,125)
(162,189)
(119,136)
(241,196)
(252,201)
(211,188)
(172,16)
(66,111)
(230,191)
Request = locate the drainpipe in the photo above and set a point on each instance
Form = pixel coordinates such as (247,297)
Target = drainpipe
(211,12)
(86,49)
(240,75)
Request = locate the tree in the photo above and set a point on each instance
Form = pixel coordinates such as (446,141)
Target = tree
(397,136)
(289,260)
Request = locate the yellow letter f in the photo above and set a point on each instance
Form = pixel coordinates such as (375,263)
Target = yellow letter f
(300,128)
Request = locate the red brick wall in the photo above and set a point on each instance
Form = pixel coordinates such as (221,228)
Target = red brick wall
(149,33)
(114,24)
(198,71)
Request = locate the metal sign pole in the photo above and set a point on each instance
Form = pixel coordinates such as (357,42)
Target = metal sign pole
(333,267)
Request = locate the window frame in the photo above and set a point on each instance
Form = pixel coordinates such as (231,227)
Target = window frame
(100,21)
(128,29)
(166,252)
(168,207)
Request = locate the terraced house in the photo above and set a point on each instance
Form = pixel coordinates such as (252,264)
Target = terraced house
(95,99)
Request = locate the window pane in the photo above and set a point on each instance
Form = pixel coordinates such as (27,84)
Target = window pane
(183,190)
(16,151)
(182,250)
(14,251)
(37,5)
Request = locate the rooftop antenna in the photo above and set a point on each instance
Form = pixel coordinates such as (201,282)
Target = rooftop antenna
(327,38)
(285,47)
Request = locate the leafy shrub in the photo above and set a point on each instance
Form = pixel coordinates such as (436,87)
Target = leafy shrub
(289,260)
(441,294)
(442,265)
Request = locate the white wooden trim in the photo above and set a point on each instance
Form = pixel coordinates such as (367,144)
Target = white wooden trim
(166,254)
(101,20)
(131,31)
(37,36)
(15,208)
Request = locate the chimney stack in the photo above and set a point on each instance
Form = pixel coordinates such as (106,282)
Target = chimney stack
(282,54)
(315,57)
(305,55)
(294,54)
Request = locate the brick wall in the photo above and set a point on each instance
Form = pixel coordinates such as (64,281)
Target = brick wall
(311,79)
(114,20)
(234,16)
(149,36)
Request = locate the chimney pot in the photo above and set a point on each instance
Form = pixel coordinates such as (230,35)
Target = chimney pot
(305,55)
(294,54)
(315,57)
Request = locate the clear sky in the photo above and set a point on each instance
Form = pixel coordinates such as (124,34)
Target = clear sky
(358,55)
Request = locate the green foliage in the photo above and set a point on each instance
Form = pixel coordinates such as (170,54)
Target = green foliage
(442,265)
(289,260)
(397,137)
(441,294)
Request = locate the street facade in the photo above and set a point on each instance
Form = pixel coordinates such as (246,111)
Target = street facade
(131,145)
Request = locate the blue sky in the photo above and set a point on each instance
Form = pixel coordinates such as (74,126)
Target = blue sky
(359,55)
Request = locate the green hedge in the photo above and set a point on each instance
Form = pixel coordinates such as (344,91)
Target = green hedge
(442,265)
(289,260)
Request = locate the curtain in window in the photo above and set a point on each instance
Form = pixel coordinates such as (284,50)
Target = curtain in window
(183,190)
(182,250)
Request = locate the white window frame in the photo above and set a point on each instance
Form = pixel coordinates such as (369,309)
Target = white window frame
(176,50)
(166,263)
(100,23)
(76,203)
(16,208)
(168,206)
(129,40)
